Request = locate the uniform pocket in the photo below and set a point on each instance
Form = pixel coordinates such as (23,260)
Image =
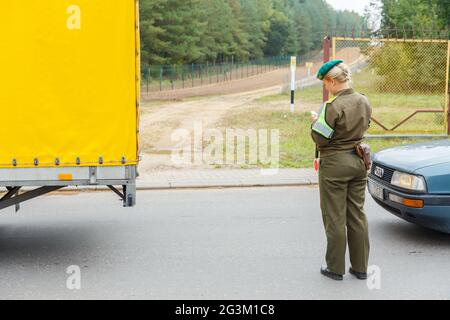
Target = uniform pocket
(322,163)
(362,168)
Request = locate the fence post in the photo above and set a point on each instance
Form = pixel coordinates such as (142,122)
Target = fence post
(148,78)
(217,71)
(231,69)
(225,66)
(207,72)
(448,88)
(225,71)
(173,76)
(448,110)
(182,75)
(201,75)
(326,58)
(161,78)
(192,75)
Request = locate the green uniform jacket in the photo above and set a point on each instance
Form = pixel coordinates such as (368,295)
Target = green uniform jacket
(349,115)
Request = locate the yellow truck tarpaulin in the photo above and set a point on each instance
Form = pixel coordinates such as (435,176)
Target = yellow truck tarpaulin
(69,83)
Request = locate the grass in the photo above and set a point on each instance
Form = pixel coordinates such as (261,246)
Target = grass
(388,108)
(308,95)
(297,149)
(296,146)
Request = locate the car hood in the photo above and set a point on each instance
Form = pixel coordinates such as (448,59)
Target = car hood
(410,158)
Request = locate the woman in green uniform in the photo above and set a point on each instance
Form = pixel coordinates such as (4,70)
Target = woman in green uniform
(337,130)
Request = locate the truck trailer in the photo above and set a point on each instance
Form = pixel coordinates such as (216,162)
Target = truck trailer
(69,94)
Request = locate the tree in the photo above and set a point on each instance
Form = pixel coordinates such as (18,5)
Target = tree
(183,29)
(414,14)
(151,33)
(240,40)
(256,24)
(215,42)
(278,34)
(187,31)
(406,67)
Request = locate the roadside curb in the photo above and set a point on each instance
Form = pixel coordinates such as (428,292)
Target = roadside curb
(226,178)
(216,178)
(225,185)
(181,185)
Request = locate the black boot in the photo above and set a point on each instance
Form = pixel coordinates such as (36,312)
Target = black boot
(359,275)
(327,273)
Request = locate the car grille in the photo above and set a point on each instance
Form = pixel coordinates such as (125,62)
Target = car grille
(388,172)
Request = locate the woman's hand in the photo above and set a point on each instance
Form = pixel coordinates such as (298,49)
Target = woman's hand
(314,116)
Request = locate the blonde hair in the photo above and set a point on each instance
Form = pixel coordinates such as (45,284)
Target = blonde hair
(341,73)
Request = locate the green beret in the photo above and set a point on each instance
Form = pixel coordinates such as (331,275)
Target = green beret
(327,67)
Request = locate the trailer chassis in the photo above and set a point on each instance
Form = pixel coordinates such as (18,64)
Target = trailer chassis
(46,180)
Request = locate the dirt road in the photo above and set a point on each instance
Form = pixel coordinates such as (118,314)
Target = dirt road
(160,121)
(261,81)
(164,112)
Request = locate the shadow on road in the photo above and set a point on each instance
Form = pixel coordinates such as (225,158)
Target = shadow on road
(30,244)
(414,234)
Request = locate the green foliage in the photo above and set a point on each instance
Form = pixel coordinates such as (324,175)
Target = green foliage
(418,14)
(187,31)
(411,67)
(151,31)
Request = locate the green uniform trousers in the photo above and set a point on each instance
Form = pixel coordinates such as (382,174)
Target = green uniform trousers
(342,182)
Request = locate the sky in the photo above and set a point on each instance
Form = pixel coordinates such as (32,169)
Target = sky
(355,5)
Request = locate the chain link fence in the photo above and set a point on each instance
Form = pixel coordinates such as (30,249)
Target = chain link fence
(171,77)
(406,81)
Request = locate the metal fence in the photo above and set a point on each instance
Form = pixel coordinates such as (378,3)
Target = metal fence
(171,77)
(406,81)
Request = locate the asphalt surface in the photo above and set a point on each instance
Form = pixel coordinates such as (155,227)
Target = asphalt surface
(260,243)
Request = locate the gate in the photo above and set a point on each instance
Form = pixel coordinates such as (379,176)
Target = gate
(406,81)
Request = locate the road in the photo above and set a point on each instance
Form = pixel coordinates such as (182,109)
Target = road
(261,243)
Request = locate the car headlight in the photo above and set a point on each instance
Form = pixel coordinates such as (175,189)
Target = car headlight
(408,181)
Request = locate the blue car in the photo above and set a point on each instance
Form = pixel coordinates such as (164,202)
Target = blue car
(413,183)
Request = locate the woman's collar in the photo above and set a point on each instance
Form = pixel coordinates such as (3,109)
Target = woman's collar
(345,92)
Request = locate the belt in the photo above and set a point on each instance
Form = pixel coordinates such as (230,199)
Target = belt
(353,151)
